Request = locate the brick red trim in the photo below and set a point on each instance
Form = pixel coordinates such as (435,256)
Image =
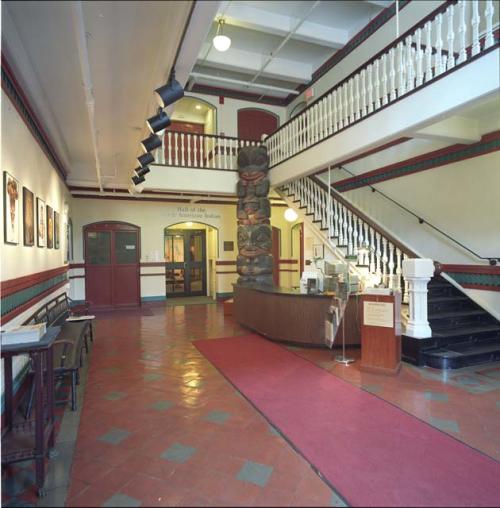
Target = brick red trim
(153,263)
(358,181)
(76,265)
(10,286)
(19,310)
(76,277)
(483,269)
(222,273)
(153,274)
(288,261)
(221,263)
(288,270)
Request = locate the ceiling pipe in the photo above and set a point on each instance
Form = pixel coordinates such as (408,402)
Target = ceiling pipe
(81,41)
(285,40)
(241,82)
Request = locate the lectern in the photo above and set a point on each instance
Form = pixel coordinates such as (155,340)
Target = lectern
(381,333)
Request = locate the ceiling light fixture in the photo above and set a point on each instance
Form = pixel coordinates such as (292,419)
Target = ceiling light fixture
(138,179)
(197,106)
(221,42)
(290,215)
(158,122)
(149,144)
(145,159)
(169,93)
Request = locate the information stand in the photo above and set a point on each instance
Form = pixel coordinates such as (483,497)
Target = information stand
(381,333)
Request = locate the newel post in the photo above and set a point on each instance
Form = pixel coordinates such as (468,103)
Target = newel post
(418,272)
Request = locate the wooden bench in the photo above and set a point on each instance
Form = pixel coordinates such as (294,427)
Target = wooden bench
(70,343)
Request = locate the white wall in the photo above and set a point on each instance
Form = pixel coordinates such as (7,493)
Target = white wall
(227,113)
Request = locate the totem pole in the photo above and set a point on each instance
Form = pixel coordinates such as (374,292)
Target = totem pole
(255,261)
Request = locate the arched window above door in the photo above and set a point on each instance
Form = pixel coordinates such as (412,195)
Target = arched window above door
(254,122)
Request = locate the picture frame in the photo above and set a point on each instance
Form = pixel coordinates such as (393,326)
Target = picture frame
(319,251)
(11,191)
(69,241)
(50,227)
(41,217)
(56,230)
(28,217)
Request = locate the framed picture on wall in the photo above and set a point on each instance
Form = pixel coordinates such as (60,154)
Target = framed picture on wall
(50,227)
(41,228)
(69,241)
(56,230)
(28,217)
(11,192)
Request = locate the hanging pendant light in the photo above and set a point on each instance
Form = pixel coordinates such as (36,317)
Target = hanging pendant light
(221,42)
(290,215)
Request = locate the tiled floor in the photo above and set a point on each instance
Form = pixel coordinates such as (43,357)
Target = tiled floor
(161,427)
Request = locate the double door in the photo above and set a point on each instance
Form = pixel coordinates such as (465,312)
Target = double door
(185,258)
(112,265)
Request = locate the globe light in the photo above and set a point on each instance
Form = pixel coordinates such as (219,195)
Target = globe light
(290,215)
(221,42)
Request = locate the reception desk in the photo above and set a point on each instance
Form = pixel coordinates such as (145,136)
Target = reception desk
(286,315)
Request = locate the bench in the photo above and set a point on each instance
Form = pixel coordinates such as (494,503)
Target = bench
(70,343)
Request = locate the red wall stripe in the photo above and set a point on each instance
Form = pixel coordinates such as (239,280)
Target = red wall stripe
(10,286)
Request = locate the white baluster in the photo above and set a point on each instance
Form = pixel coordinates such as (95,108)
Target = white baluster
(450,63)
(373,248)
(188,140)
(226,153)
(357,112)
(401,71)
(195,151)
(410,71)
(392,75)
(370,89)
(390,266)
(350,244)
(377,84)
(336,219)
(384,260)
(214,150)
(367,245)
(419,57)
(320,120)
(363,93)
(341,112)
(354,235)
(351,101)
(428,52)
(360,242)
(331,127)
(176,147)
(476,46)
(383,79)
(462,32)
(335,111)
(340,240)
(346,105)
(201,144)
(438,59)
(398,270)
(378,257)
(488,14)
(183,162)
(169,137)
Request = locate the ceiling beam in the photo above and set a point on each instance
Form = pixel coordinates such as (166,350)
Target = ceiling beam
(253,18)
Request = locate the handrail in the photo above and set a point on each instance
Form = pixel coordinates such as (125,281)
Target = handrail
(365,218)
(492,260)
(211,135)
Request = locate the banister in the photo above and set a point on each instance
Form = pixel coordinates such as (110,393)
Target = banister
(365,218)
(491,260)
(211,135)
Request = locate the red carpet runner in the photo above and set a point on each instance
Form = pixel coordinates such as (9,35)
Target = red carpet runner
(372,453)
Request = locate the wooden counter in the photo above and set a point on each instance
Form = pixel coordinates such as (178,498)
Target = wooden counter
(287,315)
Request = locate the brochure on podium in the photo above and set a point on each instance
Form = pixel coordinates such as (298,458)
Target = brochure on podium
(80,318)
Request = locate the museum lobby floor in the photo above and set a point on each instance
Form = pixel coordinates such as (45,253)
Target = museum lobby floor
(160,426)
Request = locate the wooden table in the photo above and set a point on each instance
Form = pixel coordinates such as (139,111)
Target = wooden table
(286,315)
(32,438)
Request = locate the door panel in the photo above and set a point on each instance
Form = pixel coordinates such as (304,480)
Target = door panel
(125,268)
(252,123)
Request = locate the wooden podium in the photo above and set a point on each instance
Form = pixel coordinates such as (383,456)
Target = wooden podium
(381,333)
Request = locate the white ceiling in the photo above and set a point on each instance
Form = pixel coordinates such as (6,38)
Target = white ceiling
(279,44)
(131,47)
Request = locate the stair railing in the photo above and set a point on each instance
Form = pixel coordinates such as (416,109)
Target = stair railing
(422,54)
(363,242)
(205,151)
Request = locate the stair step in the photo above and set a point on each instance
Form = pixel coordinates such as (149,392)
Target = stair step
(456,314)
(462,356)
(458,332)
(437,299)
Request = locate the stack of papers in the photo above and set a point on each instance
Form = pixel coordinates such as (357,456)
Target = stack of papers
(22,334)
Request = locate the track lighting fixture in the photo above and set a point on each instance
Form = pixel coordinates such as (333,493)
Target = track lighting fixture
(169,93)
(142,171)
(149,144)
(145,159)
(158,122)
(138,179)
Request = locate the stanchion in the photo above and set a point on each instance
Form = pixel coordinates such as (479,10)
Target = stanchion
(339,358)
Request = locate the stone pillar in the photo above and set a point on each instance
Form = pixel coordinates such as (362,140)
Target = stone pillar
(418,272)
(255,260)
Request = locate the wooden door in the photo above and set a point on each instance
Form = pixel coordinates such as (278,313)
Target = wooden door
(276,256)
(112,264)
(186,264)
(253,123)
(189,143)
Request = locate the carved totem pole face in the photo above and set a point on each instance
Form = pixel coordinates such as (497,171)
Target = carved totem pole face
(254,240)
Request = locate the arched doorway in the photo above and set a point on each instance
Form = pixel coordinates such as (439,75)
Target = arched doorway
(253,123)
(112,252)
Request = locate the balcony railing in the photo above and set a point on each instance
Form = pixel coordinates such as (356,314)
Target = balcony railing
(203,151)
(418,57)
